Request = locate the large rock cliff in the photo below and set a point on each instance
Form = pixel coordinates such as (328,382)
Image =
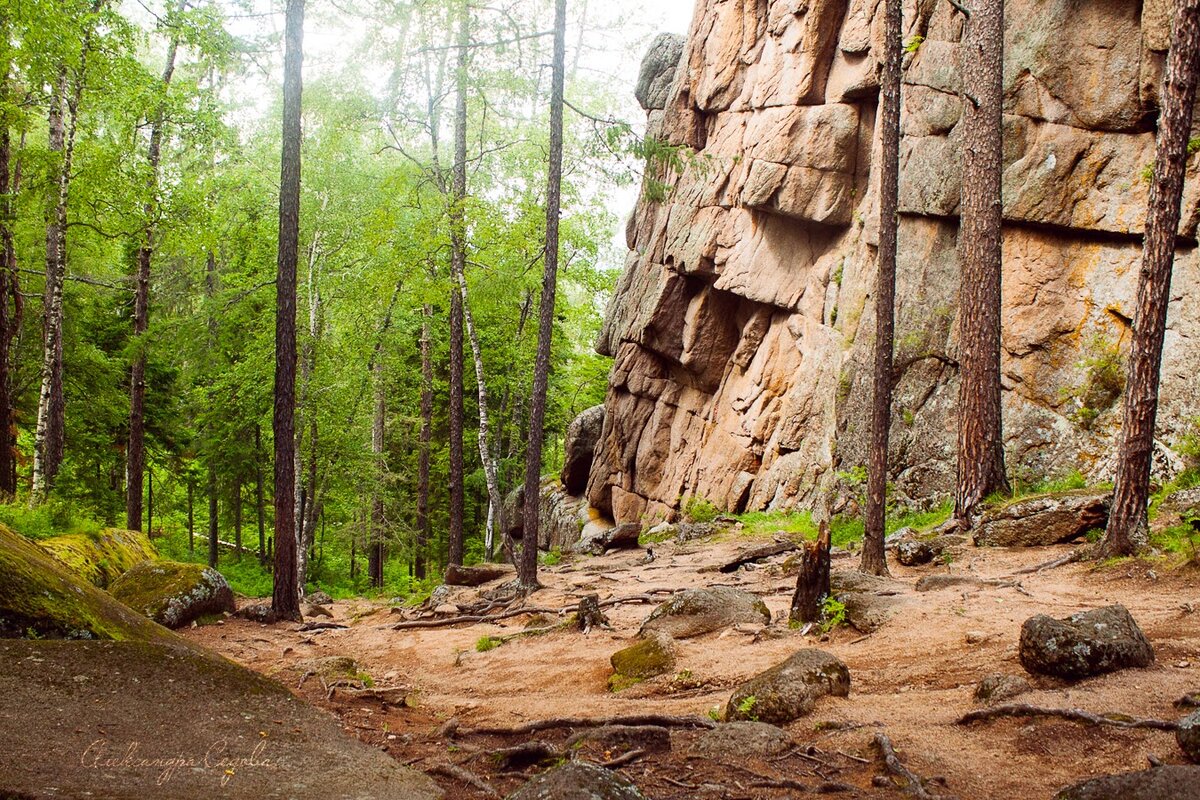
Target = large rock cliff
(742,325)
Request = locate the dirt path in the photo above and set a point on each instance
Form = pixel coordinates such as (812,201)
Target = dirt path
(911,679)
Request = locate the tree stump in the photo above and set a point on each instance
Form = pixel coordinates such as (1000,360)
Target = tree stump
(812,584)
(590,615)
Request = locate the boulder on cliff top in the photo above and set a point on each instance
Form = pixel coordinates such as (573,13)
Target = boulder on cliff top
(789,690)
(1172,782)
(173,593)
(658,70)
(214,728)
(1044,520)
(578,780)
(579,449)
(1087,643)
(102,557)
(40,597)
(694,612)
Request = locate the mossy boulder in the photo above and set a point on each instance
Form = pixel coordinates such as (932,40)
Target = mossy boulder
(578,780)
(173,593)
(651,656)
(1087,643)
(694,612)
(100,558)
(41,598)
(789,690)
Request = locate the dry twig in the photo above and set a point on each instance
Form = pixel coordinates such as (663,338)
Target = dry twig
(664,720)
(1116,719)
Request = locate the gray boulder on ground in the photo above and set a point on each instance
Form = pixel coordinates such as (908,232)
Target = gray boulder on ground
(318,598)
(1087,643)
(694,612)
(1188,736)
(658,70)
(577,780)
(743,738)
(789,690)
(1044,520)
(1171,782)
(173,593)
(476,575)
(622,537)
(579,448)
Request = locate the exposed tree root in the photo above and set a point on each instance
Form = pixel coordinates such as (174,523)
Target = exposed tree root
(622,760)
(521,756)
(322,626)
(914,785)
(446,622)
(1079,554)
(464,775)
(1116,719)
(663,720)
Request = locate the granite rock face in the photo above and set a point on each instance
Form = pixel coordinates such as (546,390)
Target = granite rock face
(742,325)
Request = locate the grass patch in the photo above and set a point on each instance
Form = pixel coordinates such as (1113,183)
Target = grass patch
(52,518)
(843,530)
(700,509)
(485,643)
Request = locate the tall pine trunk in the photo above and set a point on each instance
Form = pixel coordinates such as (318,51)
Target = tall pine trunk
(10,308)
(541,368)
(1127,524)
(375,556)
(422,542)
(980,435)
(873,559)
(258,495)
(458,257)
(285,596)
(135,459)
(213,520)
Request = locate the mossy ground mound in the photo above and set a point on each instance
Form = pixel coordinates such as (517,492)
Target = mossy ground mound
(41,598)
(654,655)
(173,593)
(100,558)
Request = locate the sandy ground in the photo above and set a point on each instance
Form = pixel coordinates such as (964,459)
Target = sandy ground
(911,679)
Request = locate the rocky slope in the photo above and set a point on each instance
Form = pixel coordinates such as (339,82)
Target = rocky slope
(743,322)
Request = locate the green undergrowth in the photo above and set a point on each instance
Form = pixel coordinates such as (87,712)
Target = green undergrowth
(843,530)
(53,518)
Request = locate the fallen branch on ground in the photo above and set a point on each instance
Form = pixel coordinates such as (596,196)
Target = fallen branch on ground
(664,720)
(1071,557)
(1116,719)
(455,772)
(322,626)
(915,786)
(622,760)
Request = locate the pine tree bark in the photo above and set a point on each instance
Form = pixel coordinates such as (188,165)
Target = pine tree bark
(285,596)
(213,520)
(458,257)
(541,368)
(1127,523)
(490,469)
(873,559)
(10,310)
(375,556)
(980,436)
(135,458)
(237,519)
(258,495)
(422,543)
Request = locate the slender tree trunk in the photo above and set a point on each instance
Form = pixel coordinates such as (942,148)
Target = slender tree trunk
(873,559)
(980,436)
(1127,524)
(258,494)
(458,256)
(237,518)
(136,449)
(285,598)
(422,544)
(191,491)
(149,500)
(306,417)
(213,520)
(541,369)
(375,566)
(10,293)
(490,470)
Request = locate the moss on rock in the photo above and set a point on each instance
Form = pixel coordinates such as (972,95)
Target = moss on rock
(100,558)
(173,593)
(42,598)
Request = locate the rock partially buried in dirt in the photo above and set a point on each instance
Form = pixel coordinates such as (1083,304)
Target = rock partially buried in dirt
(935,583)
(789,690)
(173,593)
(318,598)
(867,613)
(1044,520)
(262,613)
(1087,643)
(579,448)
(578,780)
(694,612)
(994,688)
(246,736)
(1160,783)
(914,552)
(477,575)
(622,738)
(651,656)
(1188,736)
(735,739)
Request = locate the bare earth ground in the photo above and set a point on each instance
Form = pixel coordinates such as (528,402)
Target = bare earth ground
(911,679)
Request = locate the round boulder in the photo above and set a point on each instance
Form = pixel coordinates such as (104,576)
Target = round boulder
(1087,643)
(1160,783)
(1188,736)
(173,593)
(694,612)
(789,690)
(577,780)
